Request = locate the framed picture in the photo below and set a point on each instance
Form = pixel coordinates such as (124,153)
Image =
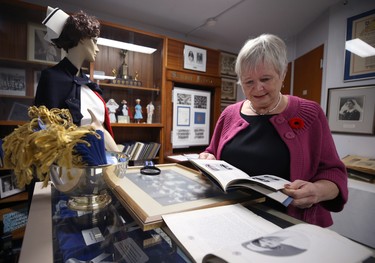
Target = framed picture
(39,49)
(19,112)
(8,186)
(225,104)
(12,81)
(227,64)
(360,28)
(351,110)
(228,89)
(36,79)
(176,189)
(195,58)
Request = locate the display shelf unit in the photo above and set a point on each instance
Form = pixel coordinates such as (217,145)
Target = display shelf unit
(177,76)
(142,79)
(15,18)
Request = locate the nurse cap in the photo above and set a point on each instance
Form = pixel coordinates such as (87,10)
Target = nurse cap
(54,22)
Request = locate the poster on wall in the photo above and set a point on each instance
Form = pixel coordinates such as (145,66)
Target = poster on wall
(191,117)
(360,47)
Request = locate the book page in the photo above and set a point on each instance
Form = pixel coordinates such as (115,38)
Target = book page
(207,230)
(221,170)
(299,243)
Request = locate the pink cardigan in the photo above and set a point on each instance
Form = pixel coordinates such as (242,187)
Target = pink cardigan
(313,154)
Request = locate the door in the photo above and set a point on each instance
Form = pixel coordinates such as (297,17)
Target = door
(308,74)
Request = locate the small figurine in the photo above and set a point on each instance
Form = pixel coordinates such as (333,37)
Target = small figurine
(122,112)
(150,111)
(124,66)
(138,111)
(112,107)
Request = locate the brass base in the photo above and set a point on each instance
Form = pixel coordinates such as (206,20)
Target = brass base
(89,202)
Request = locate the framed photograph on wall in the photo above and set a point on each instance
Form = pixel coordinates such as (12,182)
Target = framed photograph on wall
(351,110)
(39,49)
(36,79)
(195,58)
(228,89)
(8,186)
(227,64)
(12,81)
(360,35)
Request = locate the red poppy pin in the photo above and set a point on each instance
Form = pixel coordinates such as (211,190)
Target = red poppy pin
(296,123)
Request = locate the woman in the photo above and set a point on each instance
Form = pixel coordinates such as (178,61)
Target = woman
(65,85)
(350,111)
(271,133)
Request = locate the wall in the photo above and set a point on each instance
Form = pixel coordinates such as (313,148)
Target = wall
(330,30)
(346,144)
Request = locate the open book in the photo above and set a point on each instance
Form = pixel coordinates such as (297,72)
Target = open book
(232,233)
(229,177)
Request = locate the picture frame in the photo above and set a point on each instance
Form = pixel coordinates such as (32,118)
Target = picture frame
(224,104)
(228,89)
(12,81)
(351,110)
(177,188)
(39,49)
(227,64)
(8,186)
(19,112)
(37,74)
(195,58)
(359,27)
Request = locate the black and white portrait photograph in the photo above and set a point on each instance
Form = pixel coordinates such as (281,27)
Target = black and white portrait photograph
(352,109)
(195,58)
(40,49)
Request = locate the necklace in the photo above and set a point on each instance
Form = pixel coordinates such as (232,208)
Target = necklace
(271,110)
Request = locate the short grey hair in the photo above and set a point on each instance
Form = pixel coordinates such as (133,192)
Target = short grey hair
(266,48)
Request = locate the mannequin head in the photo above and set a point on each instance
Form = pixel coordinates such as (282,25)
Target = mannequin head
(78,27)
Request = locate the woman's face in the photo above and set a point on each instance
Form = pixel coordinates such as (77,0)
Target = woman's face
(91,48)
(262,85)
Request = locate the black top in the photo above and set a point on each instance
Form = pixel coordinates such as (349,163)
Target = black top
(257,150)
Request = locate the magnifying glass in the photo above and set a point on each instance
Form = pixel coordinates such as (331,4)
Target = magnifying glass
(150,169)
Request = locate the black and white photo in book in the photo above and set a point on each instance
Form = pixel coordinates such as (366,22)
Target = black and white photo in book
(251,238)
(352,110)
(191,117)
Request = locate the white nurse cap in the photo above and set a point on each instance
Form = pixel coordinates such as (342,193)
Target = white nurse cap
(54,22)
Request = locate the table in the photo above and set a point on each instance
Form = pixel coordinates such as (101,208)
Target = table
(56,234)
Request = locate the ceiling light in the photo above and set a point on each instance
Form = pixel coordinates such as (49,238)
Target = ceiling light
(210,22)
(124,45)
(360,48)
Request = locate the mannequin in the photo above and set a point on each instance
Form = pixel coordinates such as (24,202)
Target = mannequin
(64,85)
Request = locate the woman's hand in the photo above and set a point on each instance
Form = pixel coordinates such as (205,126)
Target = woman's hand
(208,156)
(306,194)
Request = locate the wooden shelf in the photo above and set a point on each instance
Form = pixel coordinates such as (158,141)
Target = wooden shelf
(23,196)
(120,86)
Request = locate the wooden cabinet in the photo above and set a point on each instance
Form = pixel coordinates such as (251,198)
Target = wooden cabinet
(144,73)
(143,80)
(177,76)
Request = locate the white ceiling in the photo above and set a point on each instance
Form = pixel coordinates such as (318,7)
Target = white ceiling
(237,20)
